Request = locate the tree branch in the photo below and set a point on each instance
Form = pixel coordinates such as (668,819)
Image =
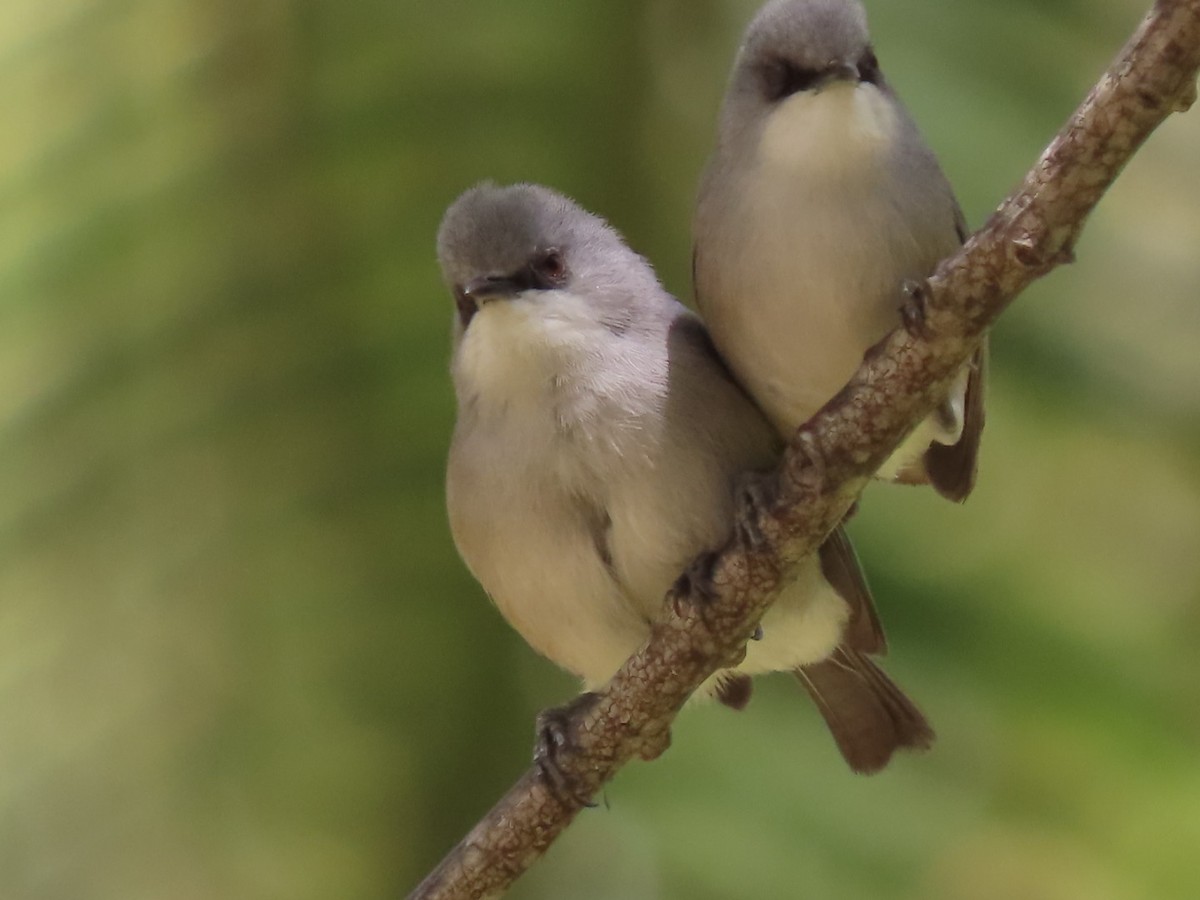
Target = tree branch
(714,607)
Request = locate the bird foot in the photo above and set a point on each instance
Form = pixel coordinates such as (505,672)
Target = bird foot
(915,307)
(556,734)
(694,594)
(754,496)
(810,468)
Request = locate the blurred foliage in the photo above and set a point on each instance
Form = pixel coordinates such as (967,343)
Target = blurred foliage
(238,655)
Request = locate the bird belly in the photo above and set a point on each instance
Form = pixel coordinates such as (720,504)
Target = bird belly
(803,626)
(806,297)
(537,559)
(521,519)
(816,247)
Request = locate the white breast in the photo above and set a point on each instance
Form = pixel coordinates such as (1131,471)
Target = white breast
(518,494)
(809,246)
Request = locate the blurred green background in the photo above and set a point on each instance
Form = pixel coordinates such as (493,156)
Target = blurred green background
(238,654)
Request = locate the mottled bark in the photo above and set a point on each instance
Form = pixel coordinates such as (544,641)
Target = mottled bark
(713,609)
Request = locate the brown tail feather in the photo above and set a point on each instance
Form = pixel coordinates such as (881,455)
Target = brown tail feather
(868,715)
(951,469)
(840,566)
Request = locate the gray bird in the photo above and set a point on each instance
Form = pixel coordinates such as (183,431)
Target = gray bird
(598,446)
(821,199)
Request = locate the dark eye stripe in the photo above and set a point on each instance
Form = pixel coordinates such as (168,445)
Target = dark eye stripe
(868,67)
(782,79)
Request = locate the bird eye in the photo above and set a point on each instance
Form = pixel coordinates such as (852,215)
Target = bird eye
(868,67)
(781,79)
(550,268)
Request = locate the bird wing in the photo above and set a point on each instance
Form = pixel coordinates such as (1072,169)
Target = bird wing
(951,469)
(841,568)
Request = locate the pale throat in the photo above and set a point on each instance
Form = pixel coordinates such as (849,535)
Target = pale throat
(513,349)
(833,133)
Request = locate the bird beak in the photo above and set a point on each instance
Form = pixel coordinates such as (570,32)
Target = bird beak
(478,291)
(838,71)
(491,287)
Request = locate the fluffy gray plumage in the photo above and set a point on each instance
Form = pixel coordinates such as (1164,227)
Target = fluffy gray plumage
(820,200)
(597,447)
